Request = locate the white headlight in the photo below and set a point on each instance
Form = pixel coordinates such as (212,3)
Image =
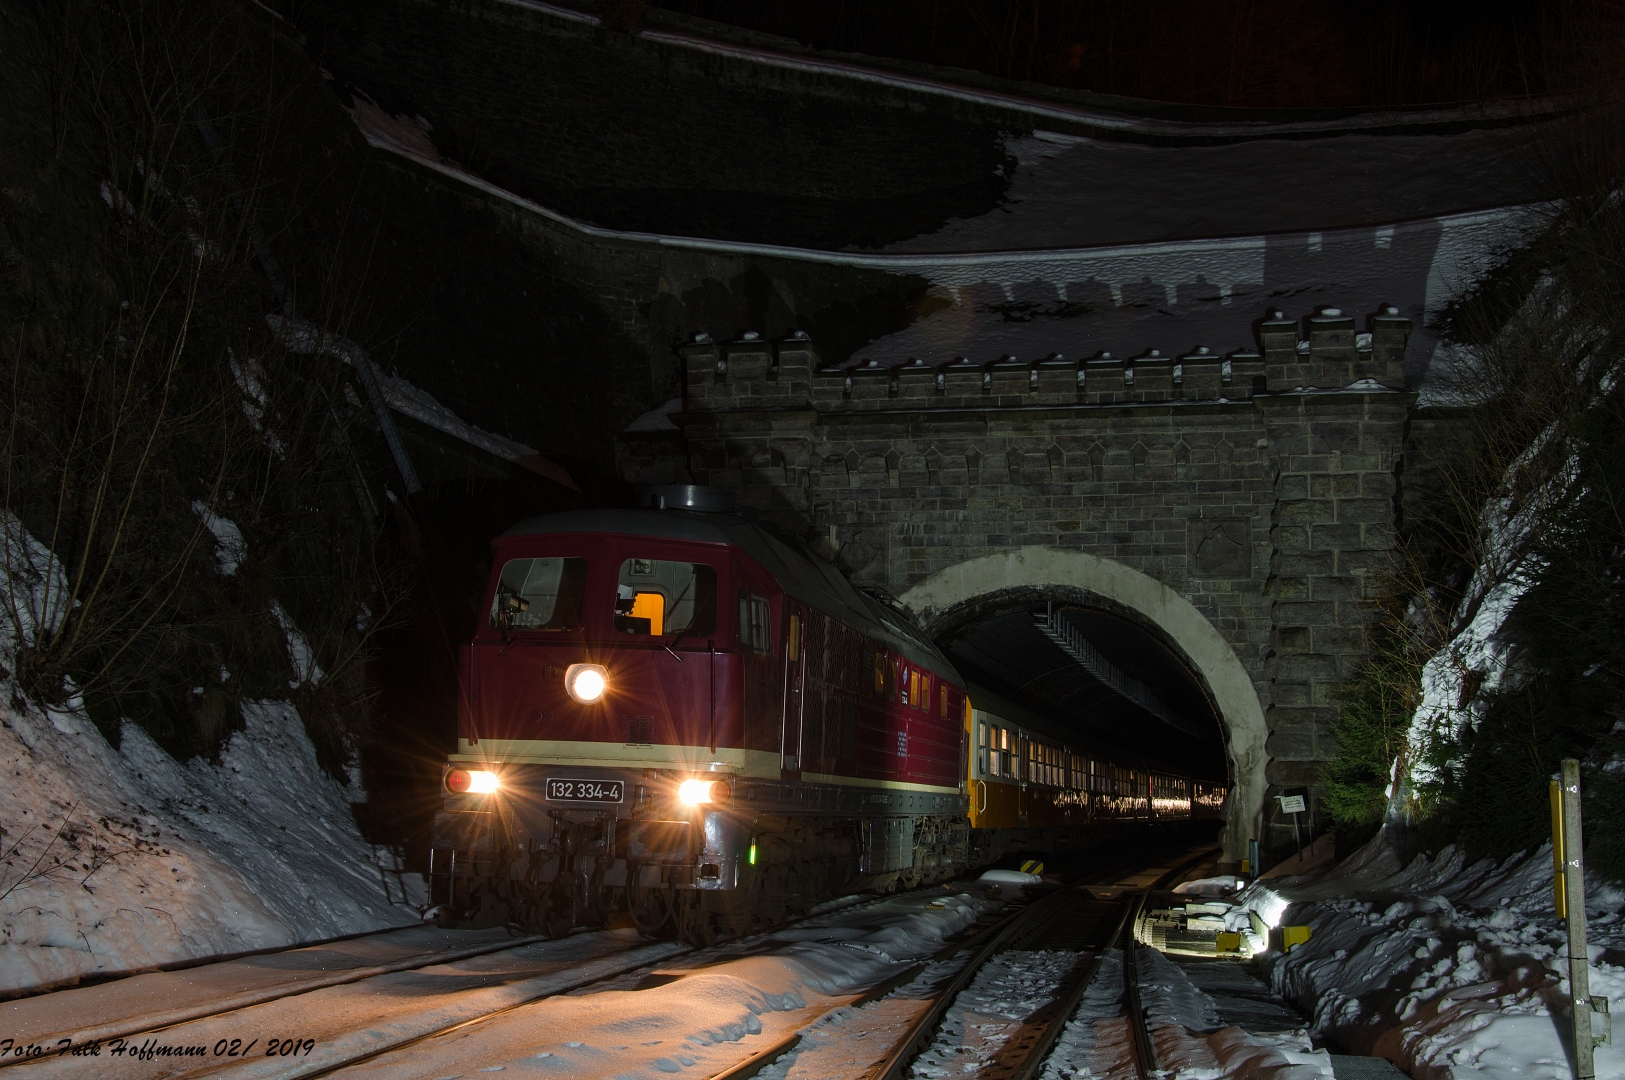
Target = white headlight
(471,782)
(695,792)
(586,683)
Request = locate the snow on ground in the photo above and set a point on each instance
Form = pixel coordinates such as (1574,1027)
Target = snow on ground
(112,860)
(1190,1041)
(117,860)
(860,944)
(1190,1044)
(1458,679)
(1186,1033)
(703,1013)
(1223,885)
(229,548)
(1010,877)
(1451,971)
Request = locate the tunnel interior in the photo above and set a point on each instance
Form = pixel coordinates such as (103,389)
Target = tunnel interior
(1108,683)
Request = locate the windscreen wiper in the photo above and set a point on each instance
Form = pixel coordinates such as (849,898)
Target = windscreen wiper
(672,648)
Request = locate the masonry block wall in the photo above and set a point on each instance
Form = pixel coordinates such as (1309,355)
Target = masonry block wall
(1259,485)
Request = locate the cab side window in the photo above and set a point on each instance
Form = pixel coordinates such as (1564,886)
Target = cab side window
(755,623)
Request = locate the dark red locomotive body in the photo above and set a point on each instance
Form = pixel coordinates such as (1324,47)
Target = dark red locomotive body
(661,706)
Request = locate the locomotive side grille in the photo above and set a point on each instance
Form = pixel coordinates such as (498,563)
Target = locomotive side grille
(640,731)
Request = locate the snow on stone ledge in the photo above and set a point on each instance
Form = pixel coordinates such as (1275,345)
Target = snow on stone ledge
(303,336)
(406,135)
(422,406)
(658,419)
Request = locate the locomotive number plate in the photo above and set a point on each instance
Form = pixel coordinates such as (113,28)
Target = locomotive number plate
(606,791)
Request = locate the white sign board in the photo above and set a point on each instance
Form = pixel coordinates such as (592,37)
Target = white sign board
(1291,804)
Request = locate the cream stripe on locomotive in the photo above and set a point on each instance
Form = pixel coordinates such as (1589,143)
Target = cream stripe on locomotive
(889,785)
(587,752)
(745,763)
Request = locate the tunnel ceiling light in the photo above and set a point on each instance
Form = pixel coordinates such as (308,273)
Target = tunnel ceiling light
(586,683)
(471,782)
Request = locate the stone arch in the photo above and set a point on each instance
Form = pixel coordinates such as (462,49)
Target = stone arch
(1209,654)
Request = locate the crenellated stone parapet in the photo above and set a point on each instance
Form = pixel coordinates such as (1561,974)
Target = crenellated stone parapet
(1322,351)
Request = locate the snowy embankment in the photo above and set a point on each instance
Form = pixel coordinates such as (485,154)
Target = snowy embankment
(114,860)
(1451,971)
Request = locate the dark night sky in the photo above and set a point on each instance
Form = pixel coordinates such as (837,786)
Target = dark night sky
(1245,53)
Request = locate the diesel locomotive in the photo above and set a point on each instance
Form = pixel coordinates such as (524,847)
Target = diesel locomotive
(677,713)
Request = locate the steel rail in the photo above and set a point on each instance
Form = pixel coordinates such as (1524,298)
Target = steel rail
(102,979)
(1145,1055)
(982,944)
(767,1055)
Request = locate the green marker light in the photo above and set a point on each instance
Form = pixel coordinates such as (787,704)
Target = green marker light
(753,853)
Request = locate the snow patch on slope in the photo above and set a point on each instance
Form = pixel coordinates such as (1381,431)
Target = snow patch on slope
(1476,660)
(113,860)
(230,550)
(1450,970)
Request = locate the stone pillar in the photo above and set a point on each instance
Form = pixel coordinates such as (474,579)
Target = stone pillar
(1332,542)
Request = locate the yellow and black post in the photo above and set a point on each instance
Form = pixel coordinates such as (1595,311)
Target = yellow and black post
(1568,846)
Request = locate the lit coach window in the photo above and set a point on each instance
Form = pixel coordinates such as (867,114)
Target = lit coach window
(694,792)
(471,782)
(586,683)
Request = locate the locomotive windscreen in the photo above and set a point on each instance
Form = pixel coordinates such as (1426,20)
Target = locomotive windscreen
(540,594)
(657,596)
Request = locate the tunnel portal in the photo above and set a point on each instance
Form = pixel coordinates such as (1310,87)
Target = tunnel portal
(1118,689)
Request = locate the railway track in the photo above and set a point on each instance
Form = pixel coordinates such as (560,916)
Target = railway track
(390,974)
(1075,918)
(122,1003)
(380,1017)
